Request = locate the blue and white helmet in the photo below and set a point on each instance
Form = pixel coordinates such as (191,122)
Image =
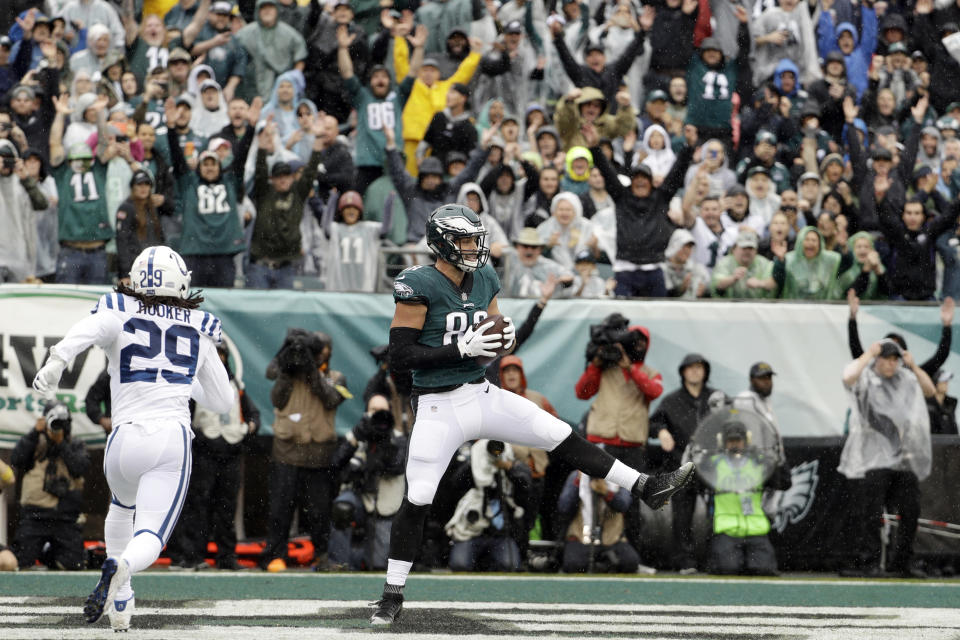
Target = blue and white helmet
(160,271)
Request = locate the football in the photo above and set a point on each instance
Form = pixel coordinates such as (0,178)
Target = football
(497,327)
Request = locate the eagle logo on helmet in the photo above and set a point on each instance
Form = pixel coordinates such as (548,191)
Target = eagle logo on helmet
(450,223)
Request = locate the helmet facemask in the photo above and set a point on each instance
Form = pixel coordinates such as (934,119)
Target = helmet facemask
(467,260)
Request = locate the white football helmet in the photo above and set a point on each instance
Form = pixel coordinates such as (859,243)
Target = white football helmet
(160,271)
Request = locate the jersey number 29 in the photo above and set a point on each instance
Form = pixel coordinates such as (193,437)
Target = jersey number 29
(168,342)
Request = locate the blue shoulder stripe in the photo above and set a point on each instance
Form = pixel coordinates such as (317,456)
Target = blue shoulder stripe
(109,299)
(121,305)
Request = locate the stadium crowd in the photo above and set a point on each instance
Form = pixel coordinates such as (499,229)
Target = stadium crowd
(685,148)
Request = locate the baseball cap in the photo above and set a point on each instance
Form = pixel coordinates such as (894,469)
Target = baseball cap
(141,177)
(184,99)
(757,170)
(890,348)
(430,62)
(209,154)
(216,143)
(595,46)
(951,107)
(761,369)
(835,56)
(343,3)
(766,136)
(585,256)
(809,175)
(179,55)
(736,189)
(656,94)
(461,88)
(897,47)
(885,130)
(221,6)
(641,170)
(431,166)
(296,164)
(528,236)
(881,153)
(513,26)
(747,239)
(918,55)
(922,171)
(454,156)
(710,44)
(5,41)
(281,169)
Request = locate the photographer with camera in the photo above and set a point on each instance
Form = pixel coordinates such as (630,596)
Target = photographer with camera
(52,466)
(624,387)
(483,526)
(393,384)
(305,399)
(595,541)
(374,453)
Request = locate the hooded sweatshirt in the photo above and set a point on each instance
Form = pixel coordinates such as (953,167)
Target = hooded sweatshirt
(660,161)
(573,237)
(271,51)
(569,121)
(571,181)
(673,275)
(800,47)
(858,61)
(286,119)
(495,233)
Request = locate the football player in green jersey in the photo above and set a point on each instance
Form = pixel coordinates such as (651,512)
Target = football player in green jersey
(433,334)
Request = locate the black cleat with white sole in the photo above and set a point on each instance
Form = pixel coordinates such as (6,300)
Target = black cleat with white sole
(389,607)
(658,489)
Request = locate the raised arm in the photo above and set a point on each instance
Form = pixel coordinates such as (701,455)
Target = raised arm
(387,223)
(62,107)
(946,338)
(851,372)
(196,24)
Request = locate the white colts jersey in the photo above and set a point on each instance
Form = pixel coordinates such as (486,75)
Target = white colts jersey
(158,357)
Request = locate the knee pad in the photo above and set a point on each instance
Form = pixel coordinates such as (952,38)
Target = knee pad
(420,494)
(551,429)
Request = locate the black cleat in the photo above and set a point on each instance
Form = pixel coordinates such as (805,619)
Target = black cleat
(658,489)
(389,607)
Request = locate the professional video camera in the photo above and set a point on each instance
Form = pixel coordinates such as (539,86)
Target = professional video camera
(613,331)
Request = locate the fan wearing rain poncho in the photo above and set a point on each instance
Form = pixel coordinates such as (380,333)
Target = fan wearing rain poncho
(566,232)
(809,272)
(888,451)
(867,275)
(684,277)
(210,115)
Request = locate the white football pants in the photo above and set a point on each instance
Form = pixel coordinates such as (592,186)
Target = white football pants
(470,412)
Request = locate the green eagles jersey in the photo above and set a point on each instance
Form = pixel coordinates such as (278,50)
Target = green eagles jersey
(450,311)
(210,222)
(372,114)
(709,93)
(143,58)
(82,209)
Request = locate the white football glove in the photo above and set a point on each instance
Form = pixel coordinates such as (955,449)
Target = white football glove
(48,377)
(475,343)
(509,333)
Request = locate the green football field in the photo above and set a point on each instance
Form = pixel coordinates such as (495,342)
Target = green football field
(294,605)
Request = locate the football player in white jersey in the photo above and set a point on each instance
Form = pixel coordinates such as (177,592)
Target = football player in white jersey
(161,351)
